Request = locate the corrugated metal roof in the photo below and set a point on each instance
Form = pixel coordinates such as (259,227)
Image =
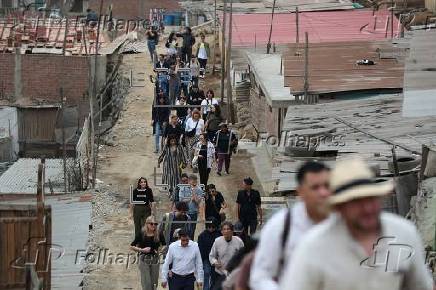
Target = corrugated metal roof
(379,115)
(332,67)
(326,26)
(22,176)
(420,75)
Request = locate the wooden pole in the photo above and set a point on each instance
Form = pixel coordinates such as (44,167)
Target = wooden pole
(215,38)
(223,50)
(392,19)
(64,146)
(306,65)
(268,46)
(92,100)
(297,26)
(228,69)
(65,36)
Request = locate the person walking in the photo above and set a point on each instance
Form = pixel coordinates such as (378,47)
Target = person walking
(188,42)
(204,153)
(143,199)
(195,70)
(203,54)
(222,251)
(171,221)
(249,206)
(196,96)
(183,112)
(193,195)
(208,103)
(184,181)
(159,117)
(214,119)
(186,265)
(215,204)
(193,128)
(225,143)
(152,40)
(173,84)
(284,230)
(162,77)
(360,247)
(205,242)
(171,46)
(173,128)
(174,160)
(147,244)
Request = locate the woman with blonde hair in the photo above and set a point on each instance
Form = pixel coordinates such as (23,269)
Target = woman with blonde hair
(147,244)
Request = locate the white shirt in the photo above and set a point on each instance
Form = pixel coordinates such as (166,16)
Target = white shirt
(206,105)
(222,251)
(266,260)
(328,258)
(202,53)
(185,260)
(210,152)
(190,125)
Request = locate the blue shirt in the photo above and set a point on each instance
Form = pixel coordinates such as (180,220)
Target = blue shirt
(185,194)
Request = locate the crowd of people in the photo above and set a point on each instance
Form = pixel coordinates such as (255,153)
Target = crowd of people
(326,241)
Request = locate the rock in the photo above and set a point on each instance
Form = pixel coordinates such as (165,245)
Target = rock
(250,133)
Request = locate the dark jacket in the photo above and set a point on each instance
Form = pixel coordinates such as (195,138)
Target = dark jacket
(188,39)
(225,142)
(205,243)
(160,115)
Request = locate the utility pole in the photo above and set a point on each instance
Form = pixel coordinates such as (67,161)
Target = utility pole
(92,100)
(65,36)
(306,66)
(268,46)
(392,19)
(215,38)
(64,145)
(223,50)
(228,61)
(297,26)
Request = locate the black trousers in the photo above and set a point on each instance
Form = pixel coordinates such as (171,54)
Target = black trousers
(203,171)
(203,63)
(217,281)
(177,282)
(249,224)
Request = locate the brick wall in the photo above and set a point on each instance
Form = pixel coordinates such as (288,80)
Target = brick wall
(7,64)
(130,9)
(263,116)
(43,76)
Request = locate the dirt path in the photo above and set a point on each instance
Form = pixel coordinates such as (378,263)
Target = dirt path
(120,166)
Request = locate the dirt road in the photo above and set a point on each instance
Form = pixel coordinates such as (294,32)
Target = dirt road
(119,167)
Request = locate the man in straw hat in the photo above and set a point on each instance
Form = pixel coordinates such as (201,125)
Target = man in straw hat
(360,248)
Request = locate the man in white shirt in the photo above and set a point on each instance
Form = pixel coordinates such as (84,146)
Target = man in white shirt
(187,266)
(284,230)
(360,248)
(222,251)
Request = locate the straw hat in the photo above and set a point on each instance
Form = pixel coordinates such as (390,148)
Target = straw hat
(353,179)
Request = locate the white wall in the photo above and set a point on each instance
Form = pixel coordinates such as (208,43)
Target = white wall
(9,126)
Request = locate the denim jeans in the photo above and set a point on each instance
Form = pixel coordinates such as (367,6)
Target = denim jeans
(207,268)
(193,226)
(163,83)
(157,134)
(151,44)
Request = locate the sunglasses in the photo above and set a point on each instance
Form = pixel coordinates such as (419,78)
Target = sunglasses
(153,224)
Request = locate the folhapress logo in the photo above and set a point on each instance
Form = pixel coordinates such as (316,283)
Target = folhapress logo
(33,251)
(389,255)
